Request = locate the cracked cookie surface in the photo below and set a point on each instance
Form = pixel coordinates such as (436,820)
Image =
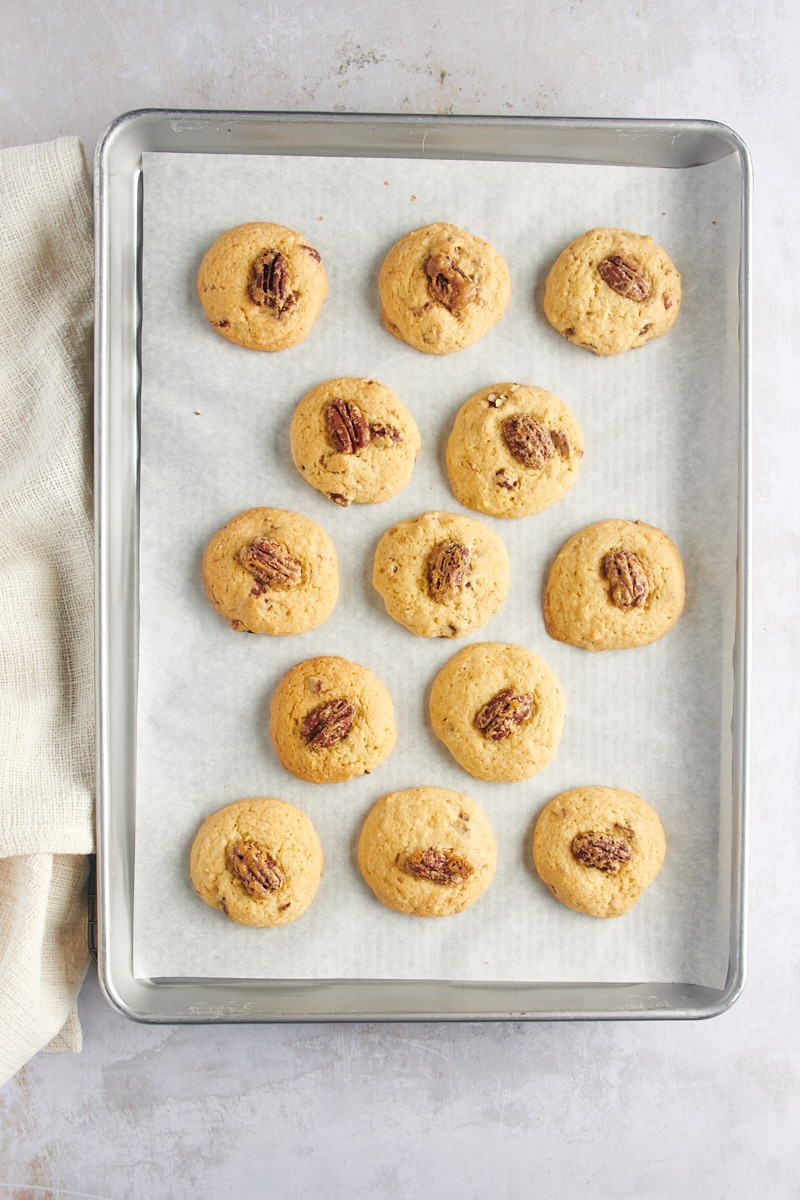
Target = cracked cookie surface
(270,570)
(513,450)
(257,860)
(614,585)
(353,440)
(442,288)
(611,290)
(598,849)
(499,709)
(427,851)
(331,720)
(441,574)
(262,286)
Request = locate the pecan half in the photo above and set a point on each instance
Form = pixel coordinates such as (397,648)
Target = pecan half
(598,850)
(255,868)
(625,276)
(271,564)
(448,566)
(348,428)
(438,866)
(268,283)
(527,440)
(448,284)
(629,584)
(328,723)
(504,713)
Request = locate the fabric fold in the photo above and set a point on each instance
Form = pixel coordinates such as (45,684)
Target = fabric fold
(46,593)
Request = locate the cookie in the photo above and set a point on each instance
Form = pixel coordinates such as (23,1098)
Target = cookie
(331,720)
(271,571)
(611,290)
(427,851)
(614,585)
(499,709)
(442,289)
(262,286)
(598,849)
(354,441)
(441,574)
(258,860)
(513,450)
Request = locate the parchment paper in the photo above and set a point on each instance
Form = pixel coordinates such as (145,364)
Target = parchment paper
(661,428)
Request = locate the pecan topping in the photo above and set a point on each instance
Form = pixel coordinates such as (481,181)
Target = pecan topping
(256,869)
(601,851)
(448,284)
(268,283)
(527,440)
(315,254)
(625,276)
(448,565)
(390,433)
(438,866)
(629,584)
(347,426)
(501,715)
(328,723)
(504,480)
(270,564)
(560,442)
(349,430)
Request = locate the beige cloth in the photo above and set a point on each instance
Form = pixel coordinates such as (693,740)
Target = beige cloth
(46,595)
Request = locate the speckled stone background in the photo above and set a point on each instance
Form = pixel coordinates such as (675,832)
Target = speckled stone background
(705,1109)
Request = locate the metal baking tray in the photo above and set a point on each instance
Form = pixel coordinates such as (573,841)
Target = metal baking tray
(119,254)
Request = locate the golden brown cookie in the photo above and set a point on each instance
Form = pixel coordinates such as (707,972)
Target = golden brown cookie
(441,574)
(442,288)
(598,849)
(331,720)
(262,286)
(271,571)
(258,860)
(427,851)
(513,450)
(354,441)
(614,585)
(499,709)
(611,290)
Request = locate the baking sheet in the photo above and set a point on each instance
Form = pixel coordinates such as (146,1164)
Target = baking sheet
(661,428)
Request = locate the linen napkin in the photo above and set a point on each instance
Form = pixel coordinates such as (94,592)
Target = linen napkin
(46,595)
